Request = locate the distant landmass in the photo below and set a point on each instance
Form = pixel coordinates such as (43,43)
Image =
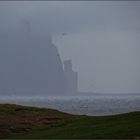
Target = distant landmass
(30,64)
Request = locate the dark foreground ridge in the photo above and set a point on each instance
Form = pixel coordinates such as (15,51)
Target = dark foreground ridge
(18,121)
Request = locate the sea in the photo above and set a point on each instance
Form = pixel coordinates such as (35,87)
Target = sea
(93,105)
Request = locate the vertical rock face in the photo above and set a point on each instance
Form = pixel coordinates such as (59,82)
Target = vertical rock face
(70,77)
(30,65)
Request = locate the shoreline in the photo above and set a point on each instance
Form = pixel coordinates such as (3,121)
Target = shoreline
(28,122)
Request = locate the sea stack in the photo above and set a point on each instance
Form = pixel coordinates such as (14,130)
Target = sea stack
(30,65)
(71,78)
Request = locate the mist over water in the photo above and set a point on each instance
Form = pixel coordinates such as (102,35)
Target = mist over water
(101,38)
(51,53)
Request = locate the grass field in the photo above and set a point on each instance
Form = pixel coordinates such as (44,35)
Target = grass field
(30,122)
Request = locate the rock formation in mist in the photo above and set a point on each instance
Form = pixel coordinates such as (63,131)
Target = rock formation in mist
(30,64)
(71,78)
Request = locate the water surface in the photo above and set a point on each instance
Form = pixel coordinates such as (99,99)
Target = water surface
(83,105)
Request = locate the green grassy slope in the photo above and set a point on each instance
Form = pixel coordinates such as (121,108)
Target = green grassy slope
(31,122)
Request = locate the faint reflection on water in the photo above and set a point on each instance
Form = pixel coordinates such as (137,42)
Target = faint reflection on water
(83,105)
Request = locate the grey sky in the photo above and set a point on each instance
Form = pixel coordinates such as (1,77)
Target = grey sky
(102,38)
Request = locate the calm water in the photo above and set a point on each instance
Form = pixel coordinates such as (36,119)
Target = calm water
(87,105)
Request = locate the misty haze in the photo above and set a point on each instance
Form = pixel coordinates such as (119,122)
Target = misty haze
(71,54)
(69,69)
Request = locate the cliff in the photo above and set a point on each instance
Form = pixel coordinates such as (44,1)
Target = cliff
(30,64)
